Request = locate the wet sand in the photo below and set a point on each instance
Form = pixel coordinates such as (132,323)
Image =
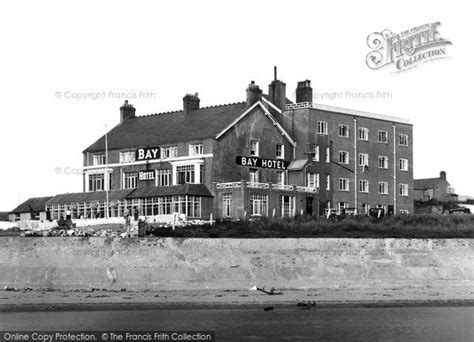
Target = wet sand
(105,299)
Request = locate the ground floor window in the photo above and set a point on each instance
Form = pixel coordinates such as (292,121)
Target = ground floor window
(227,205)
(259,204)
(365,208)
(288,206)
(341,206)
(187,205)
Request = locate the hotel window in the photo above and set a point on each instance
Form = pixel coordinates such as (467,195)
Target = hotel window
(130,180)
(169,152)
(163,177)
(98,159)
(343,184)
(328,182)
(364,186)
(383,188)
(363,159)
(403,139)
(344,131)
(403,189)
(328,155)
(312,180)
(341,206)
(383,137)
(227,203)
(363,133)
(343,157)
(185,174)
(195,149)
(253,175)
(281,177)
(403,164)
(288,206)
(280,151)
(322,127)
(365,208)
(259,204)
(96,182)
(127,157)
(383,162)
(254,148)
(314,153)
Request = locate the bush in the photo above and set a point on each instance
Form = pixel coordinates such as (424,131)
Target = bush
(402,226)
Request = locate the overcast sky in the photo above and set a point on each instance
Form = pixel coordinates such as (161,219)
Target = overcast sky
(53,51)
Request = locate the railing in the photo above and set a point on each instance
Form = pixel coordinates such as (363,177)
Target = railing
(283,187)
(345,111)
(305,189)
(228,185)
(255,185)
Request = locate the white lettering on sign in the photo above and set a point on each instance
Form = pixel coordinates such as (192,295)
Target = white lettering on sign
(147,153)
(146,175)
(263,163)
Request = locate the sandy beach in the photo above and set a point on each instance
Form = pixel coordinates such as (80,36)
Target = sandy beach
(104,299)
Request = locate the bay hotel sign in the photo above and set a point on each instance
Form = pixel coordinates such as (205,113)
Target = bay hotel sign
(147,153)
(406,50)
(262,163)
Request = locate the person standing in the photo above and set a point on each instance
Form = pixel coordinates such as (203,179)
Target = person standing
(126,216)
(135,214)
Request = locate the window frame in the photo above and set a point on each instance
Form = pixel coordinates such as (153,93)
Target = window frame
(347,156)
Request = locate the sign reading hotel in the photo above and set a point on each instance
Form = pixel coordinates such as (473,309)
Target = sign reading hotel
(146,175)
(147,153)
(263,163)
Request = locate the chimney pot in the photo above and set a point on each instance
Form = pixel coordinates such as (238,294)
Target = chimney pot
(254,93)
(127,111)
(304,92)
(190,103)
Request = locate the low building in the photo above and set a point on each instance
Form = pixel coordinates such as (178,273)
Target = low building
(32,209)
(438,189)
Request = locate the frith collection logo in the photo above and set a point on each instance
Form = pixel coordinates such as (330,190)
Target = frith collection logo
(406,50)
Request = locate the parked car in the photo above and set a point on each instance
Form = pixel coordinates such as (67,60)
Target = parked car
(460,211)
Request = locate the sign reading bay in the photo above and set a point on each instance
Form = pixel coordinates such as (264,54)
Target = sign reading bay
(147,153)
(263,163)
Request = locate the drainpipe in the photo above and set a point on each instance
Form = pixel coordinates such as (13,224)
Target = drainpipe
(394,172)
(355,165)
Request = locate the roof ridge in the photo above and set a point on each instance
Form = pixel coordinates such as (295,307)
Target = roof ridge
(177,111)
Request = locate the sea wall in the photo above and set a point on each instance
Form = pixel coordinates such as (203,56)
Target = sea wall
(190,264)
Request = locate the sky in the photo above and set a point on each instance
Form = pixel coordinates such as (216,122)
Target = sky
(67,66)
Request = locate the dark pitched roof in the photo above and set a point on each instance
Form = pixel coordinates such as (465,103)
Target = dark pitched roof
(175,190)
(80,197)
(427,183)
(3,215)
(172,127)
(34,203)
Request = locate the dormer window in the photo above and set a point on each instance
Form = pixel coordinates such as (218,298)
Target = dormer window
(195,149)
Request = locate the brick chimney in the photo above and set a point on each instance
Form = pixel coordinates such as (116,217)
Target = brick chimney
(442,175)
(190,103)
(277,92)
(254,93)
(304,92)
(127,111)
